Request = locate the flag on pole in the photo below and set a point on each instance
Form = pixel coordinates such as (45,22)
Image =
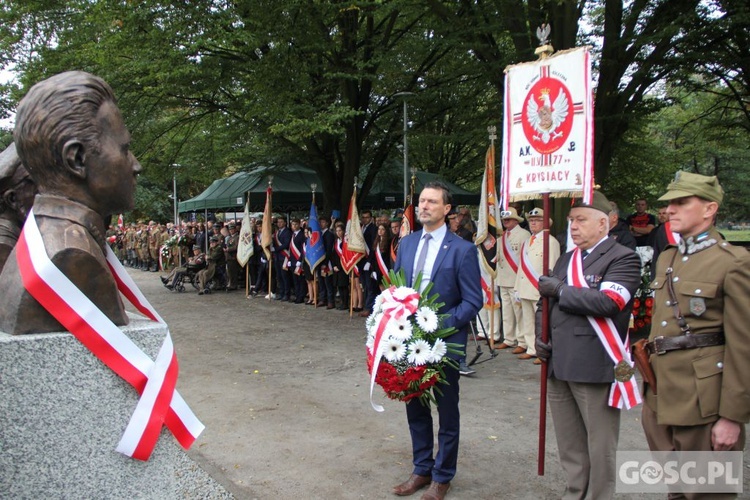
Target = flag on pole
(407,221)
(266,235)
(315,252)
(120,222)
(245,245)
(489,215)
(354,247)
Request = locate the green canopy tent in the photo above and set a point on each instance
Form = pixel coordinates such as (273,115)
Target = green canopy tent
(291,190)
(388,191)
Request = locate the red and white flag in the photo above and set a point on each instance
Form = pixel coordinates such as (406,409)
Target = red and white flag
(354,247)
(489,215)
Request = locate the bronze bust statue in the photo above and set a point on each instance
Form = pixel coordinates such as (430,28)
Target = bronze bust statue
(17,192)
(71,138)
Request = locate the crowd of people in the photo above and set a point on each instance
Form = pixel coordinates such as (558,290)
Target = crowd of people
(594,277)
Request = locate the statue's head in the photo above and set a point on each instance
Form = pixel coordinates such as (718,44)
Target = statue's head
(73,141)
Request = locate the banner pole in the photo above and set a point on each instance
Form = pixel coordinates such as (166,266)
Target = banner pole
(545,339)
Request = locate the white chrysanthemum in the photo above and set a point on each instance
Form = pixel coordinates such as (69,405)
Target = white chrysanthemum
(378,305)
(370,342)
(399,329)
(402,292)
(438,351)
(419,352)
(395,350)
(427,319)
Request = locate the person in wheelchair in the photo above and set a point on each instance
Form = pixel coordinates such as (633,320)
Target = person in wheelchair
(174,280)
(215,269)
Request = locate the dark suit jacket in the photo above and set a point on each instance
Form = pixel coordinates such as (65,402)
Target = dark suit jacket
(577,353)
(455,279)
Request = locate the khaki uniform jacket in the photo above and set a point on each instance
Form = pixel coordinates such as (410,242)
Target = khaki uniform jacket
(697,386)
(505,274)
(525,288)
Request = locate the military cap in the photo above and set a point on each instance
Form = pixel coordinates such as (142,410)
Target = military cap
(231,225)
(690,184)
(213,239)
(598,202)
(511,213)
(196,247)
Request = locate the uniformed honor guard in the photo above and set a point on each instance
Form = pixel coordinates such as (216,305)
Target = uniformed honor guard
(699,344)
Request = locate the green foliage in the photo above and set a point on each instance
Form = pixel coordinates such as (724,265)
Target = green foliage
(216,86)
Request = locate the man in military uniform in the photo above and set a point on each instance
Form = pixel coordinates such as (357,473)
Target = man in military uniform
(699,344)
(233,267)
(154,237)
(507,270)
(215,258)
(130,244)
(527,286)
(143,248)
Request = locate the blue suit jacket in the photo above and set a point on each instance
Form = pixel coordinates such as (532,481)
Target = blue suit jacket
(455,279)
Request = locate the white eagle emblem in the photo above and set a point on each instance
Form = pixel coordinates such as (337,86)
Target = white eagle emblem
(548,117)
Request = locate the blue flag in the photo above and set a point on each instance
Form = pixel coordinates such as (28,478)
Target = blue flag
(315,252)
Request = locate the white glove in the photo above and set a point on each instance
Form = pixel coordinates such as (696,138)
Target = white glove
(367,266)
(263,260)
(299,264)
(374,275)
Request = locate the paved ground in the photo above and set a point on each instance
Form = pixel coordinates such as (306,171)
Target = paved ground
(283,392)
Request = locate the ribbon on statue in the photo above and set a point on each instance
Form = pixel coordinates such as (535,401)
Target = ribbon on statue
(624,390)
(510,256)
(159,402)
(398,303)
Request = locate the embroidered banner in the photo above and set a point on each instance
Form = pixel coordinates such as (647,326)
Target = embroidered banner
(548,128)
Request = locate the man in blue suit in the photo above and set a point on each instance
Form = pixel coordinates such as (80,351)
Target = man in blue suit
(450,263)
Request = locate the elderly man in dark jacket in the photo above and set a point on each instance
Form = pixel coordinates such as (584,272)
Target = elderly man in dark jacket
(590,285)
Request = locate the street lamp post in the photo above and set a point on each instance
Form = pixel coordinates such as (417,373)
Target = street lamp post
(175,166)
(406,144)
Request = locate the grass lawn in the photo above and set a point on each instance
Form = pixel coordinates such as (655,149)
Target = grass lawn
(736,235)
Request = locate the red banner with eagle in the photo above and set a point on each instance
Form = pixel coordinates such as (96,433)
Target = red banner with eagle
(548,128)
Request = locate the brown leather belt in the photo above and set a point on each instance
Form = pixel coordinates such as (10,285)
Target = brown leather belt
(662,345)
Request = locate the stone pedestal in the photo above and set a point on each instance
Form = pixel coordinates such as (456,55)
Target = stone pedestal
(62,413)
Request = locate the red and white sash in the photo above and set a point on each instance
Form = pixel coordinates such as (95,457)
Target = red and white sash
(527,267)
(672,237)
(159,402)
(382,266)
(285,253)
(621,392)
(510,256)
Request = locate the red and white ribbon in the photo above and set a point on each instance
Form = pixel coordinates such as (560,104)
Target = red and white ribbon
(398,303)
(510,256)
(155,381)
(672,237)
(527,267)
(621,393)
(382,266)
